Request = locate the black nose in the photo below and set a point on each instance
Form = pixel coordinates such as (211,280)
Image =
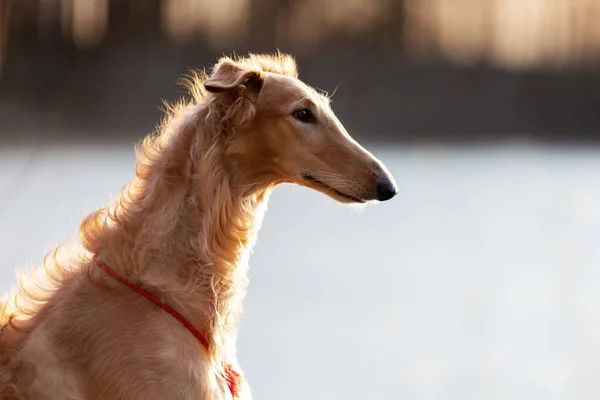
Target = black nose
(386,189)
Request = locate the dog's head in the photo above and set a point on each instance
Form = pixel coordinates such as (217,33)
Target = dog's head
(280,130)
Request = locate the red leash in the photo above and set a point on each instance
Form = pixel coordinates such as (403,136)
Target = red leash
(232,377)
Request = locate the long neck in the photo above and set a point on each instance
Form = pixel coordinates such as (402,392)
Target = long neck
(183,227)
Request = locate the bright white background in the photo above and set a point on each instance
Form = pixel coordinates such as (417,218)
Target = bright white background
(480,280)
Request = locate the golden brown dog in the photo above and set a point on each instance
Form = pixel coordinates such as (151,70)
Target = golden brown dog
(180,233)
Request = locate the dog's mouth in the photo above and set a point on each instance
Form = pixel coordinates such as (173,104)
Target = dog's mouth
(343,195)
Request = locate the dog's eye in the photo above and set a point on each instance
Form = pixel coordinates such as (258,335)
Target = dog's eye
(305,115)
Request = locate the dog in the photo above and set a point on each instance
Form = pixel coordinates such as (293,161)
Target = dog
(144,304)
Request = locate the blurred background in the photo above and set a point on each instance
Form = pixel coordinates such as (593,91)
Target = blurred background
(481,280)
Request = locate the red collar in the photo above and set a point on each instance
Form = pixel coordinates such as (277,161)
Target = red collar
(232,377)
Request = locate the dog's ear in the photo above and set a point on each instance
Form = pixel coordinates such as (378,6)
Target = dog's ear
(236,91)
(231,77)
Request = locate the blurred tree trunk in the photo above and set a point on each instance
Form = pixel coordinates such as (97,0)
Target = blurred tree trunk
(391,34)
(134,19)
(5,6)
(264,29)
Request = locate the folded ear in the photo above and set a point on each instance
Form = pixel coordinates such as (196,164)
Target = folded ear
(229,76)
(236,90)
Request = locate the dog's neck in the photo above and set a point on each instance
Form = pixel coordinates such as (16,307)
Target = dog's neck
(183,227)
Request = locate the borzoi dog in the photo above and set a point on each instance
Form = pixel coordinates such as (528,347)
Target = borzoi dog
(144,305)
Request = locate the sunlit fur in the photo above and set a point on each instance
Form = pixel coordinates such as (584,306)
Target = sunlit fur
(182,228)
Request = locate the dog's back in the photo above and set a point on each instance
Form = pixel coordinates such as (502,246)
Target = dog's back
(92,329)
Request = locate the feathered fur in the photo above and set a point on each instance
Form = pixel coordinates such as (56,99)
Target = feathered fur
(182,229)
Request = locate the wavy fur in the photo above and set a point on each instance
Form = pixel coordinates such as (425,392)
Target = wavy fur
(183,229)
